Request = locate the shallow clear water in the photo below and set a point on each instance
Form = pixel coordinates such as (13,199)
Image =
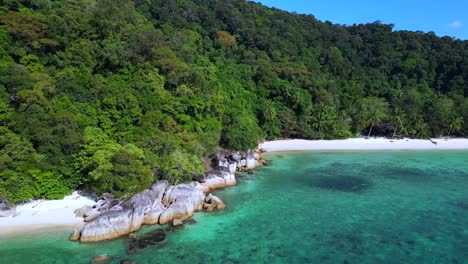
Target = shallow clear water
(353,207)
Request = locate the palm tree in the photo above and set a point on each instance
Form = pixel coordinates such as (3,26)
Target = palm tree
(309,114)
(420,128)
(455,125)
(319,121)
(374,111)
(398,118)
(269,111)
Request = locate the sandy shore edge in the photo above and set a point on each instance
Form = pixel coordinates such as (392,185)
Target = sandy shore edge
(40,215)
(364,144)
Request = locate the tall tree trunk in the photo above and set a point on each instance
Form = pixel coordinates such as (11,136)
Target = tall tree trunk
(394,131)
(370,130)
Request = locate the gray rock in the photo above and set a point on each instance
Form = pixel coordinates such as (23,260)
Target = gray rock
(160,187)
(162,203)
(199,178)
(81,212)
(257,155)
(144,199)
(152,217)
(219,179)
(181,201)
(243,163)
(75,236)
(251,162)
(213,203)
(236,157)
(112,224)
(232,167)
(6,211)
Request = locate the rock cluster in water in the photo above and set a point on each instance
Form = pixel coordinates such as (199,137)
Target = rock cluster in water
(162,203)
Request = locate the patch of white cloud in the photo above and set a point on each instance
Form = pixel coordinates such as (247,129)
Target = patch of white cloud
(456,24)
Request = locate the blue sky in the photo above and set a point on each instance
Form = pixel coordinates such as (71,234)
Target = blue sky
(444,17)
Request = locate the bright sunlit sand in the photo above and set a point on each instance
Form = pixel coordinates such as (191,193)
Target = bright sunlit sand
(44,214)
(365,144)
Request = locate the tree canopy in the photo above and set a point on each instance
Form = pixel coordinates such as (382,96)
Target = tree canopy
(108,96)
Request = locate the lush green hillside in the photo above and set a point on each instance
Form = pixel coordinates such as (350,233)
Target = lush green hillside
(108,95)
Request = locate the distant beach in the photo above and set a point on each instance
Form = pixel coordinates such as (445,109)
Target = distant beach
(365,144)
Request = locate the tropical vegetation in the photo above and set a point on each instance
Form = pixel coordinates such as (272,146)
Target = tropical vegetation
(109,95)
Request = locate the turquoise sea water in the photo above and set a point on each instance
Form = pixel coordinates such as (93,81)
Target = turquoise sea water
(353,207)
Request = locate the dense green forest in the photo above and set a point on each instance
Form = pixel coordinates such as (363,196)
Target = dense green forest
(109,95)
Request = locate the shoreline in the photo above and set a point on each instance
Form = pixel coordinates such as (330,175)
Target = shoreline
(50,215)
(42,215)
(364,144)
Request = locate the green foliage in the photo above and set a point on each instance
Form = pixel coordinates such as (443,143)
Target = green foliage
(111,167)
(369,112)
(110,95)
(240,131)
(22,172)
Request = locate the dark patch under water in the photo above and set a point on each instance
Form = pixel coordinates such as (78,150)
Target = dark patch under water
(148,239)
(462,204)
(333,169)
(341,183)
(401,173)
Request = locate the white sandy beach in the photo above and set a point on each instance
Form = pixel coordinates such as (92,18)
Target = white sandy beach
(363,144)
(46,214)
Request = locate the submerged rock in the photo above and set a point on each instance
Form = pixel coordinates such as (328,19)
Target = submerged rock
(101,259)
(128,261)
(151,238)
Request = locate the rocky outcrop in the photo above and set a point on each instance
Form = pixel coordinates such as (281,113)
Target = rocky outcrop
(181,202)
(162,203)
(112,224)
(6,211)
(250,160)
(81,212)
(218,179)
(240,161)
(213,203)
